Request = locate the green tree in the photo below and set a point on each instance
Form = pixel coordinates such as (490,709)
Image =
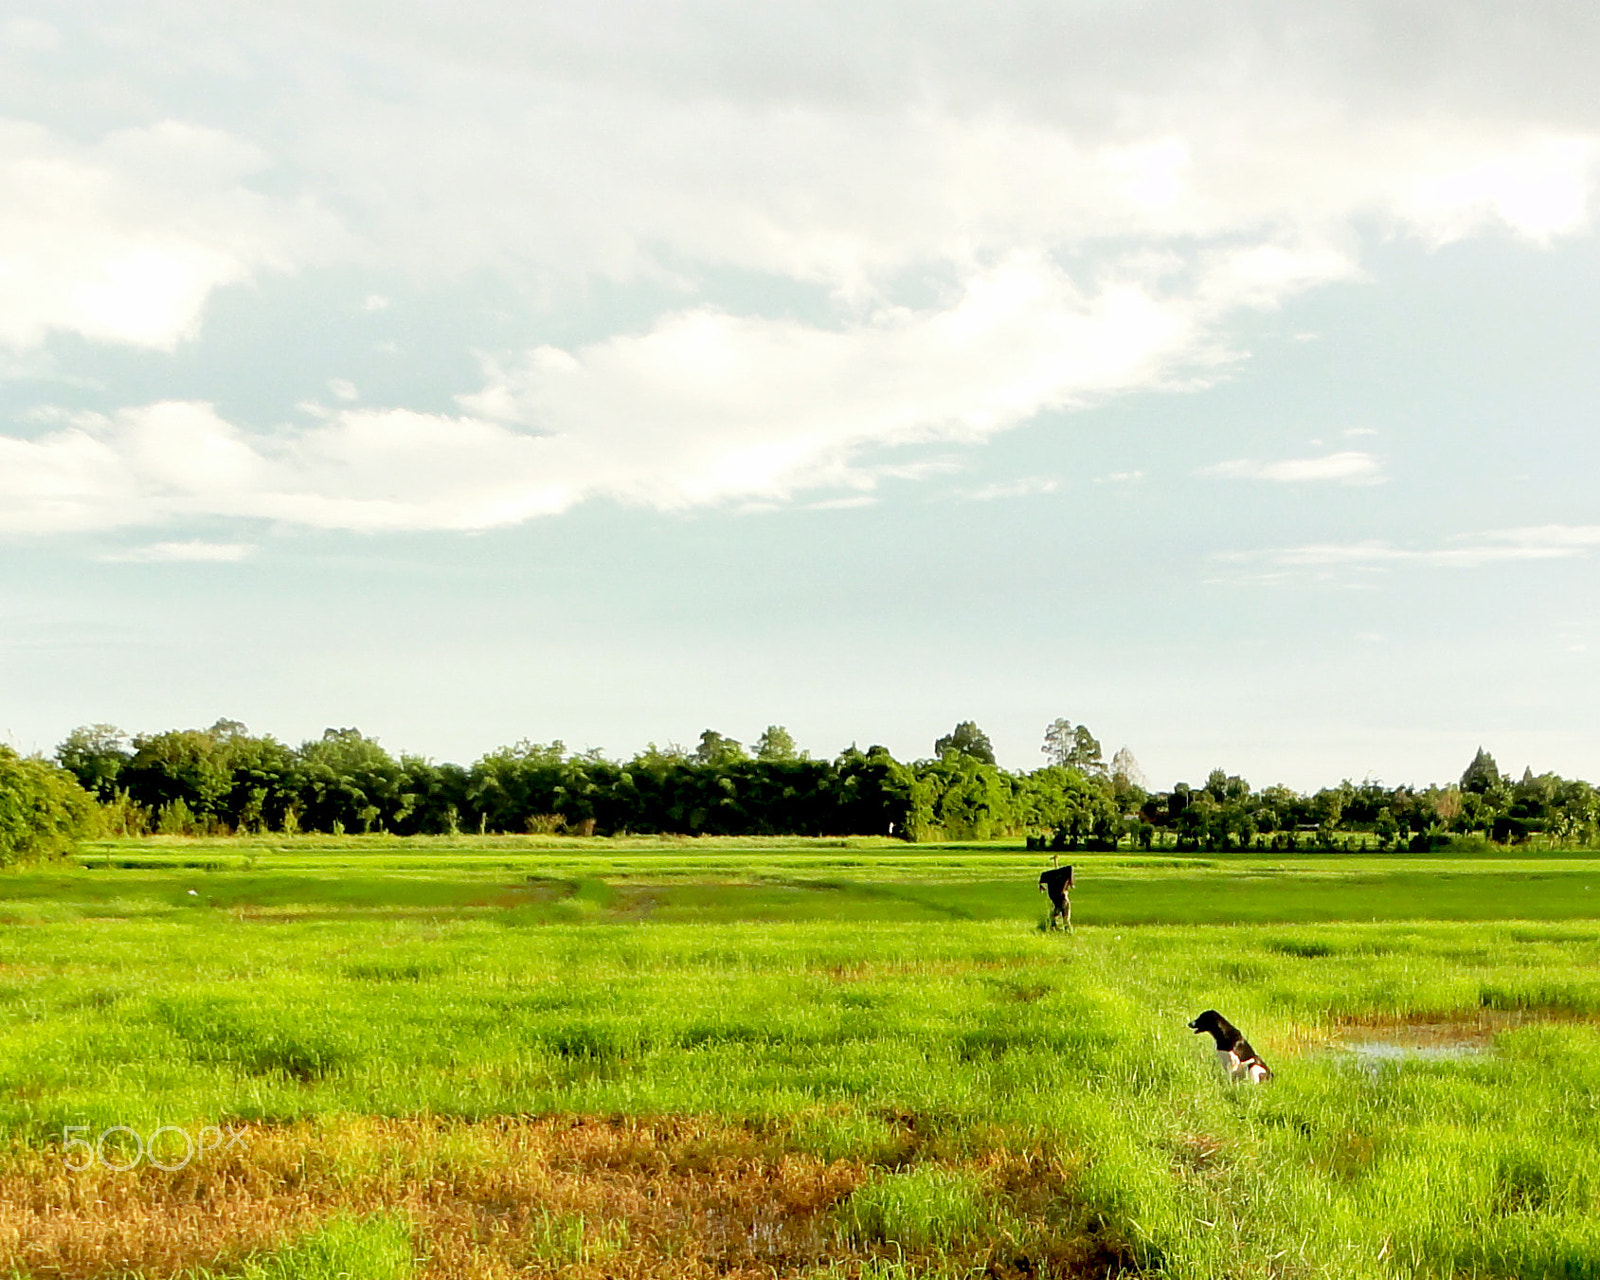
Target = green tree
(1327,808)
(187,765)
(509,787)
(1574,809)
(717,751)
(441,806)
(777,743)
(347,782)
(95,754)
(202,779)
(1198,823)
(972,799)
(877,795)
(968,740)
(1482,774)
(1072,746)
(43,810)
(1225,787)
(1126,773)
(1386,827)
(1074,807)
(262,781)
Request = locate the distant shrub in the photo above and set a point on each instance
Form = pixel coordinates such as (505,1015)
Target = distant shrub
(121,815)
(1463,846)
(175,819)
(43,810)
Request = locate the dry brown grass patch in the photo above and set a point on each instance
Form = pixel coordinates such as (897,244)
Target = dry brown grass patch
(674,1198)
(629,1198)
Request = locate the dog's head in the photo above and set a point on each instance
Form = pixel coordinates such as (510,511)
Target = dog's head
(1220,1029)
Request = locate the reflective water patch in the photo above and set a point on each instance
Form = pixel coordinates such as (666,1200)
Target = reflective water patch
(1426,1040)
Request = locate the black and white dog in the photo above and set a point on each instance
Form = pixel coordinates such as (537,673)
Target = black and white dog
(1234,1054)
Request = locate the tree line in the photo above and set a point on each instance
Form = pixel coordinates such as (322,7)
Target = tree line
(224,779)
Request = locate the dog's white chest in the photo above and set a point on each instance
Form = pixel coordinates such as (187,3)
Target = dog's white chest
(1238,1069)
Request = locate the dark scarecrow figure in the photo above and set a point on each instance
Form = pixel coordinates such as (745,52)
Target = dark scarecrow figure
(1057,882)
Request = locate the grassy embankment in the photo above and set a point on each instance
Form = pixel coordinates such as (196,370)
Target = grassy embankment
(672,1058)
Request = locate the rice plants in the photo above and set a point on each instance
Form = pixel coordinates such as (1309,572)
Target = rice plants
(377,1247)
(921,1083)
(920,1208)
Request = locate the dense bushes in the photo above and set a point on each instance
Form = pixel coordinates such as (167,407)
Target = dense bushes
(42,808)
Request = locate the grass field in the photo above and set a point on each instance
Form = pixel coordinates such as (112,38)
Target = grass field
(495,1057)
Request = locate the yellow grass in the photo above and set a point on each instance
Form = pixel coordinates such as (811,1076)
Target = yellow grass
(576,1196)
(680,1199)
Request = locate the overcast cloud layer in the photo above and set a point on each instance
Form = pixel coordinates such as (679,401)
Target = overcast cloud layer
(275,272)
(994,213)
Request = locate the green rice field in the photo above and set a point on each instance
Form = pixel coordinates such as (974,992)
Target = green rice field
(643,1057)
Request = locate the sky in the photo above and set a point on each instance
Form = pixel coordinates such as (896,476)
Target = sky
(1220,377)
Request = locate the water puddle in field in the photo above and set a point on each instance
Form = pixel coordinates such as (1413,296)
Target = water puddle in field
(1373,1044)
(1410,1047)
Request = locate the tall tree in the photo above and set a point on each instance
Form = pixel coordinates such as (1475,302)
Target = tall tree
(1482,774)
(1072,746)
(187,769)
(717,750)
(347,778)
(968,740)
(777,743)
(95,754)
(1125,771)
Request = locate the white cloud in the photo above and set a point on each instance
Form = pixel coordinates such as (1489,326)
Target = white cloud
(1028,487)
(704,408)
(29,35)
(1188,168)
(847,148)
(1539,187)
(597,151)
(709,404)
(1344,563)
(124,240)
(1348,466)
(178,552)
(1557,539)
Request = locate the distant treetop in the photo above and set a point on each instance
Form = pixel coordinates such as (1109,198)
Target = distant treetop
(1072,746)
(1481,774)
(777,743)
(968,740)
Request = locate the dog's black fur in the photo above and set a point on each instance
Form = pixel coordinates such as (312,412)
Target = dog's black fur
(1056,882)
(1234,1053)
